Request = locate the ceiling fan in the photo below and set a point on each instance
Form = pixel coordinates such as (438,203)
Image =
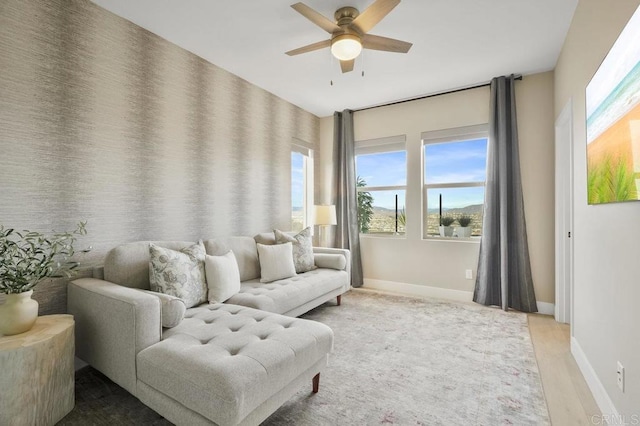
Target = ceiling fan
(349,32)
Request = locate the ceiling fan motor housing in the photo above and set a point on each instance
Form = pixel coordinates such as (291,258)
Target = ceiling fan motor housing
(345,15)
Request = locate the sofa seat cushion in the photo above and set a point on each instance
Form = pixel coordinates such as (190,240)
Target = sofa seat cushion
(223,360)
(284,295)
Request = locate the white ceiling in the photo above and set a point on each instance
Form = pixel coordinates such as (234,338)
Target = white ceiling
(455,44)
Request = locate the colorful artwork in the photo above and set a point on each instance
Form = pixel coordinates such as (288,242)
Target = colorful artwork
(613,121)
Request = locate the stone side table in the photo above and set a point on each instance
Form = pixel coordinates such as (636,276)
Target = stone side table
(37,373)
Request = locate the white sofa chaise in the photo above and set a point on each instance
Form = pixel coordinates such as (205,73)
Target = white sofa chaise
(223,364)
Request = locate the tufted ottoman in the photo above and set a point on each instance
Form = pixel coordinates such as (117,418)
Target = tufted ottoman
(230,364)
(286,295)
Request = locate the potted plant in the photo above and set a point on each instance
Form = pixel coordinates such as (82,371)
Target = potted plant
(445,226)
(26,258)
(464,231)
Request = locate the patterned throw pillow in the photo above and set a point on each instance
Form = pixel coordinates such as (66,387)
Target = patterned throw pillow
(179,273)
(302,248)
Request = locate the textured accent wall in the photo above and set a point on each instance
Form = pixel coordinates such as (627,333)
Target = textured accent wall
(103,121)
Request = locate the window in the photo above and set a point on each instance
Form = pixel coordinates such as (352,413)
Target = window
(301,187)
(455,172)
(381,170)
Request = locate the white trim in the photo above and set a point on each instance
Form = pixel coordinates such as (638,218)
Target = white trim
(546,308)
(407,289)
(381,145)
(78,363)
(564,214)
(309,180)
(418,290)
(456,134)
(595,385)
(381,188)
(452,185)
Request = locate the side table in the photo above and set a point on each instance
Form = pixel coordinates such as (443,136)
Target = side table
(37,373)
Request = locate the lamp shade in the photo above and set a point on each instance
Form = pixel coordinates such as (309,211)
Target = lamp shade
(326,215)
(346,47)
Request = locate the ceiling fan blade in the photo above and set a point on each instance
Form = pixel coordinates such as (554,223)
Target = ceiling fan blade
(375,42)
(309,48)
(347,66)
(373,14)
(317,18)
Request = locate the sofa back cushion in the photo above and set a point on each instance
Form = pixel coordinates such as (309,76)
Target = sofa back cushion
(128,264)
(266,238)
(245,251)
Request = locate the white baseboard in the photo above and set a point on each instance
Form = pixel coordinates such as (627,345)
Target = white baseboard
(546,308)
(78,363)
(418,290)
(595,385)
(436,292)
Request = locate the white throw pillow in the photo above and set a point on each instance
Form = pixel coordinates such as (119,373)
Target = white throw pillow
(179,273)
(302,248)
(223,276)
(172,308)
(276,262)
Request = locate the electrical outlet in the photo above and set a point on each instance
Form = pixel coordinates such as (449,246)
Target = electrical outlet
(620,376)
(468,274)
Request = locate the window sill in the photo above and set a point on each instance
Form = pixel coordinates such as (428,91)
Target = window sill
(383,235)
(473,240)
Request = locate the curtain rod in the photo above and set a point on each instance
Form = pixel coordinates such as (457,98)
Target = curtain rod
(517,77)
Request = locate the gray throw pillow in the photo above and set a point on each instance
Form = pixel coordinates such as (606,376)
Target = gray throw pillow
(302,248)
(179,273)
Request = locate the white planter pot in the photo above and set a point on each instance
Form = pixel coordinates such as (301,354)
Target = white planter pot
(463,232)
(18,313)
(446,231)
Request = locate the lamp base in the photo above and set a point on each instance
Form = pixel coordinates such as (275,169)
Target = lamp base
(324,236)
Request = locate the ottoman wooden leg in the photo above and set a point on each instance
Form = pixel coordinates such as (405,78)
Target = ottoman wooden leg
(339,299)
(316,383)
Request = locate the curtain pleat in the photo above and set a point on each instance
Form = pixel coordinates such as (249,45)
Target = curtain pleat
(504,270)
(347,231)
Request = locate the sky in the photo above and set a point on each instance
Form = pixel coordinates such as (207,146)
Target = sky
(455,162)
(444,163)
(297,179)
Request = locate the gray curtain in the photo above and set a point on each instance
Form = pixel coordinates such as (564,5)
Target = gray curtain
(347,231)
(504,272)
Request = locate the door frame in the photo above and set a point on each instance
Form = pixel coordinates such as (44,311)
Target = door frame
(564,214)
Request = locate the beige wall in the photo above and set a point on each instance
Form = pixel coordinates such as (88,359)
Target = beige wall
(442,264)
(606,280)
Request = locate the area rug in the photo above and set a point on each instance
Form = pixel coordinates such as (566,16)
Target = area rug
(396,360)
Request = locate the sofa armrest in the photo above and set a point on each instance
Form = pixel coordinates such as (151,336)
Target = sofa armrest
(113,324)
(346,253)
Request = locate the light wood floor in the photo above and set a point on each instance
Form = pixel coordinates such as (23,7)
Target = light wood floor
(568,397)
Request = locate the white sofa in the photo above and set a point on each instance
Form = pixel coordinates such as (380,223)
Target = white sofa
(225,364)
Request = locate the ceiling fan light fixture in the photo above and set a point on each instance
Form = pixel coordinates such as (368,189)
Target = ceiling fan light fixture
(346,47)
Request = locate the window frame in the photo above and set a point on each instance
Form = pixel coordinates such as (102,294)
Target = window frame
(382,146)
(452,135)
(301,147)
